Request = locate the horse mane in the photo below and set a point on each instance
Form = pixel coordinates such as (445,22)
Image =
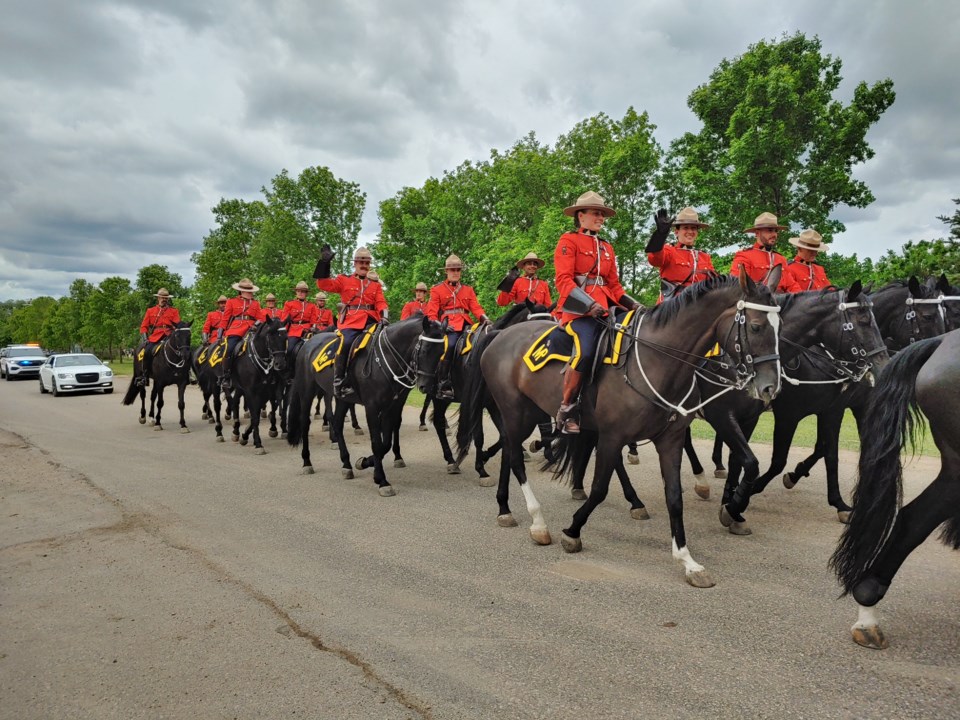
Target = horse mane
(509,315)
(787,300)
(669,309)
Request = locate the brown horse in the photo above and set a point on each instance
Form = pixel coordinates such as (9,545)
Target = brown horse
(649,394)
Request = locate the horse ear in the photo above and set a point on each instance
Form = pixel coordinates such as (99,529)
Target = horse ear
(747,286)
(530,306)
(855,290)
(914,286)
(426,323)
(869,288)
(443,325)
(773,279)
(943,285)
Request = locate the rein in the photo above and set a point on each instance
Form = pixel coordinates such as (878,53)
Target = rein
(265,365)
(911,315)
(179,352)
(408,378)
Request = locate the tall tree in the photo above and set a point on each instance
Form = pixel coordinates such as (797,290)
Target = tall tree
(112,316)
(953,221)
(774,139)
(26,322)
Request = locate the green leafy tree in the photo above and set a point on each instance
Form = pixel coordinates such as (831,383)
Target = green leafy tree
(150,279)
(774,139)
(7,308)
(111,316)
(58,331)
(922,258)
(953,221)
(26,322)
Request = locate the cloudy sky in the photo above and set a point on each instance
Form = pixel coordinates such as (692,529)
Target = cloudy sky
(122,122)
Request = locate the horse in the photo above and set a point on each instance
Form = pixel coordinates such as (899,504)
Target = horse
(643,396)
(208,369)
(881,535)
(170,366)
(258,366)
(383,376)
(464,364)
(949,301)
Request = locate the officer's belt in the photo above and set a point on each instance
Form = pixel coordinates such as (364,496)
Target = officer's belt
(301,322)
(351,308)
(242,317)
(454,311)
(584,280)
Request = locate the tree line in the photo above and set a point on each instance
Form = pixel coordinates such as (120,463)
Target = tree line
(773,138)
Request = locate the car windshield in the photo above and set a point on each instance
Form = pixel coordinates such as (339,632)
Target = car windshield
(25,352)
(76,360)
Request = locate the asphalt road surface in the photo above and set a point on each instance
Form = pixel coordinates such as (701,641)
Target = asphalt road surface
(150,574)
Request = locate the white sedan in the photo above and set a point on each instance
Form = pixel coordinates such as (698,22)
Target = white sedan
(71,372)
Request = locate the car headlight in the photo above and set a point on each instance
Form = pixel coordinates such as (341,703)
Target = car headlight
(108,373)
(64,375)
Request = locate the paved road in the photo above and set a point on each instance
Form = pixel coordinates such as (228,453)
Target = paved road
(154,574)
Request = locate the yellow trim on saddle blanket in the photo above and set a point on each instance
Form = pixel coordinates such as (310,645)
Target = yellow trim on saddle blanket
(156,349)
(714,351)
(538,354)
(326,356)
(365,340)
(467,341)
(217,352)
(616,347)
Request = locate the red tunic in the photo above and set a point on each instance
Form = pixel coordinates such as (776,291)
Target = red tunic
(268,312)
(239,316)
(213,321)
(363,300)
(682,265)
(300,316)
(758,262)
(158,322)
(526,287)
(590,257)
(453,302)
(324,317)
(803,276)
(412,308)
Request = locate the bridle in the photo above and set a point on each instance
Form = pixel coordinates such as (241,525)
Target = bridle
(408,377)
(179,350)
(910,317)
(277,355)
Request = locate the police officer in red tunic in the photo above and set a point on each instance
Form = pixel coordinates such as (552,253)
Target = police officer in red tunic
(760,259)
(363,305)
(158,323)
(418,304)
(213,320)
(803,272)
(454,302)
(270,309)
(238,317)
(681,265)
(300,315)
(324,314)
(516,290)
(588,285)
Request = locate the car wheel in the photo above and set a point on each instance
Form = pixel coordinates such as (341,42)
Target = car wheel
(43,390)
(54,390)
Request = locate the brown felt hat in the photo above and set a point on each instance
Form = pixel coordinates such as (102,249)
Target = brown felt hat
(766,220)
(222,298)
(688,217)
(164,293)
(530,257)
(810,239)
(320,296)
(245,285)
(302,286)
(453,263)
(362,254)
(270,296)
(590,201)
(422,286)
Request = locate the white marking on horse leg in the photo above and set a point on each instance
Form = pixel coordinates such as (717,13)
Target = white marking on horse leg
(683,556)
(533,507)
(866,618)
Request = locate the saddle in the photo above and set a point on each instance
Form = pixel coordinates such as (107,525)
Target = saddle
(327,353)
(213,354)
(557,344)
(142,350)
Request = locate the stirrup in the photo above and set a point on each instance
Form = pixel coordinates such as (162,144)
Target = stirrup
(445,392)
(226,383)
(568,420)
(341,389)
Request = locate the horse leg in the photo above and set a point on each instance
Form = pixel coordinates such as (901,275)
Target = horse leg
(218,424)
(633,454)
(157,395)
(701,486)
(516,427)
(439,424)
(603,470)
(153,403)
(784,427)
(234,405)
(582,450)
(357,430)
(423,413)
(737,494)
(719,471)
(380,428)
(336,435)
(258,402)
(828,443)
(272,415)
(481,458)
(638,510)
(143,405)
(181,389)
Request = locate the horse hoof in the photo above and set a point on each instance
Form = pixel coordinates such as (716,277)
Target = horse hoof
(633,459)
(210,420)
(260,451)
(184,430)
(246,414)
(359,464)
(699,579)
(541,536)
(325,427)
(423,428)
(447,432)
(720,474)
(725,518)
(399,463)
(870,637)
(347,473)
(453,469)
(639,514)
(578,494)
(534,446)
(142,421)
(152,422)
(386,491)
(272,433)
(204,416)
(307,470)
(506,520)
(789,481)
(358,431)
(526,456)
(739,528)
(283,436)
(843,516)
(569,544)
(263,414)
(487,481)
(235,438)
(157,428)
(220,438)
(702,491)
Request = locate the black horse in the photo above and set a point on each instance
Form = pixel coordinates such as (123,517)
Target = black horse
(383,375)
(208,369)
(923,378)
(257,369)
(949,301)
(170,366)
(645,396)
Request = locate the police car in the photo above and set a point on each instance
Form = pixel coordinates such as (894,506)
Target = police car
(21,361)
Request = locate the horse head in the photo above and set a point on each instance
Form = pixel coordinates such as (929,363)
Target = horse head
(949,301)
(431,346)
(907,312)
(270,339)
(753,340)
(179,340)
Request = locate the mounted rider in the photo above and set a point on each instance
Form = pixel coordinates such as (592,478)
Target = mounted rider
(324,314)
(158,322)
(300,315)
(270,309)
(588,285)
(452,301)
(760,259)
(363,305)
(516,290)
(419,302)
(213,320)
(239,316)
(681,265)
(803,272)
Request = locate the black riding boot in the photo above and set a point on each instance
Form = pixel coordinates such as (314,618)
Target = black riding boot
(341,386)
(225,381)
(144,379)
(444,383)
(568,417)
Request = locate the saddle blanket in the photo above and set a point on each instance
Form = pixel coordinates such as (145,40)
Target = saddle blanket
(558,343)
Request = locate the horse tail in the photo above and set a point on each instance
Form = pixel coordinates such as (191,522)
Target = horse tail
(132,391)
(296,402)
(893,420)
(473,398)
(566,453)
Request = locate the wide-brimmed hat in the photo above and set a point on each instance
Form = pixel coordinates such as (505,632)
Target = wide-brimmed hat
(530,257)
(687,217)
(163,293)
(269,297)
(320,296)
(766,221)
(422,286)
(453,263)
(590,201)
(222,298)
(362,254)
(810,239)
(245,285)
(301,286)
(372,275)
